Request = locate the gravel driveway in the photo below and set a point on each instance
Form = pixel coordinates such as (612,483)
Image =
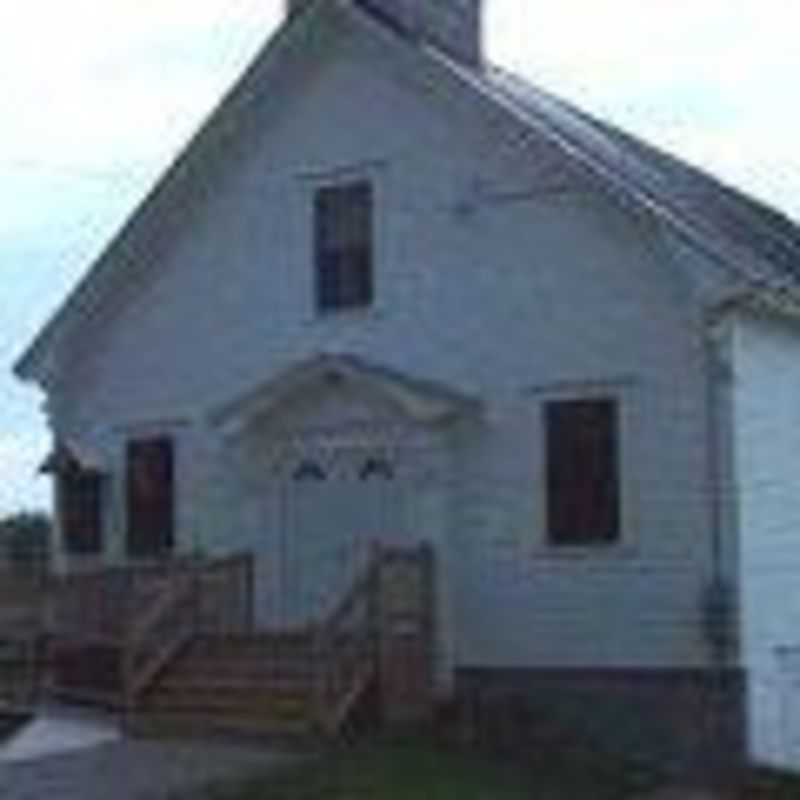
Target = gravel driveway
(130,770)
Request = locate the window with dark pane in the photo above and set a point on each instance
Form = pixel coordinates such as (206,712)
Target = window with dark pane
(151,497)
(80,496)
(344,248)
(582,452)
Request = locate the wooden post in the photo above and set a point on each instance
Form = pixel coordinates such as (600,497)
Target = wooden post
(406,636)
(320,654)
(249,593)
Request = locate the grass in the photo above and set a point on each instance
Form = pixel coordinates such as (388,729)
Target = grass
(425,771)
(421,771)
(390,772)
(769,785)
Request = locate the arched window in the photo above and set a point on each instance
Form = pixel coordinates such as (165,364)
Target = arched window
(309,471)
(376,468)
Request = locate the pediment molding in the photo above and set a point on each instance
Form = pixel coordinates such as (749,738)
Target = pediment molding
(340,392)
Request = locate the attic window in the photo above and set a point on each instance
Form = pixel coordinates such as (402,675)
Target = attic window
(343,230)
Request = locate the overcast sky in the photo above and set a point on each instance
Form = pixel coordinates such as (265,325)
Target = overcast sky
(96,97)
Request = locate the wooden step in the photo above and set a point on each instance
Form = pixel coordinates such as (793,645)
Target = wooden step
(255,668)
(255,644)
(234,684)
(252,671)
(192,653)
(217,683)
(165,725)
(240,705)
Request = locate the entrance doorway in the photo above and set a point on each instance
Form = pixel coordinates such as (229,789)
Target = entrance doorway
(333,505)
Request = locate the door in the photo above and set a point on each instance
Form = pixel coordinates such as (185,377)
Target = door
(334,507)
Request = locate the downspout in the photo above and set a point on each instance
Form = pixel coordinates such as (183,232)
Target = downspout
(718,601)
(724,745)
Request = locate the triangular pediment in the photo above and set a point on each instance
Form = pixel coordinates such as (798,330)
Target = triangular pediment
(342,386)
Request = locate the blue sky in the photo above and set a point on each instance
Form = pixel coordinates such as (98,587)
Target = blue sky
(96,102)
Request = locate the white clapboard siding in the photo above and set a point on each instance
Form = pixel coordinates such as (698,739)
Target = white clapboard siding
(767,413)
(508,300)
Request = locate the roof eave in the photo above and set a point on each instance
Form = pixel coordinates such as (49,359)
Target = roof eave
(29,366)
(32,364)
(781,304)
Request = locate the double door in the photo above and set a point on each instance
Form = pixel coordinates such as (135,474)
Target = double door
(332,506)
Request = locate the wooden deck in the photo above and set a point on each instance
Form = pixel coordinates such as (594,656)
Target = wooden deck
(173,647)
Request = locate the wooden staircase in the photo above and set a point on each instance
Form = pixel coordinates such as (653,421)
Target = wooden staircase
(259,684)
(189,661)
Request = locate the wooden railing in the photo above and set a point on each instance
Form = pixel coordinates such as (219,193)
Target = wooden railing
(103,604)
(346,650)
(225,595)
(106,604)
(407,635)
(158,636)
(19,663)
(22,603)
(139,616)
(206,597)
(389,607)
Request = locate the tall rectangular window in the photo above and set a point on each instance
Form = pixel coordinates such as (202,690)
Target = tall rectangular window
(343,229)
(150,497)
(582,452)
(80,510)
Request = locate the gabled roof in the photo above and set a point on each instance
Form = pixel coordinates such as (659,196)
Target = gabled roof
(714,208)
(757,244)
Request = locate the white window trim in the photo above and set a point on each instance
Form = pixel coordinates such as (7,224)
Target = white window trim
(174,429)
(376,173)
(626,392)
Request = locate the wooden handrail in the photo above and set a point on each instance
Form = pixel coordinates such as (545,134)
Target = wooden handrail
(339,650)
(226,589)
(153,614)
(346,656)
(357,639)
(361,587)
(106,602)
(147,649)
(177,614)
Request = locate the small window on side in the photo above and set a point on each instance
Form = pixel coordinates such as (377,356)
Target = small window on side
(81,513)
(582,456)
